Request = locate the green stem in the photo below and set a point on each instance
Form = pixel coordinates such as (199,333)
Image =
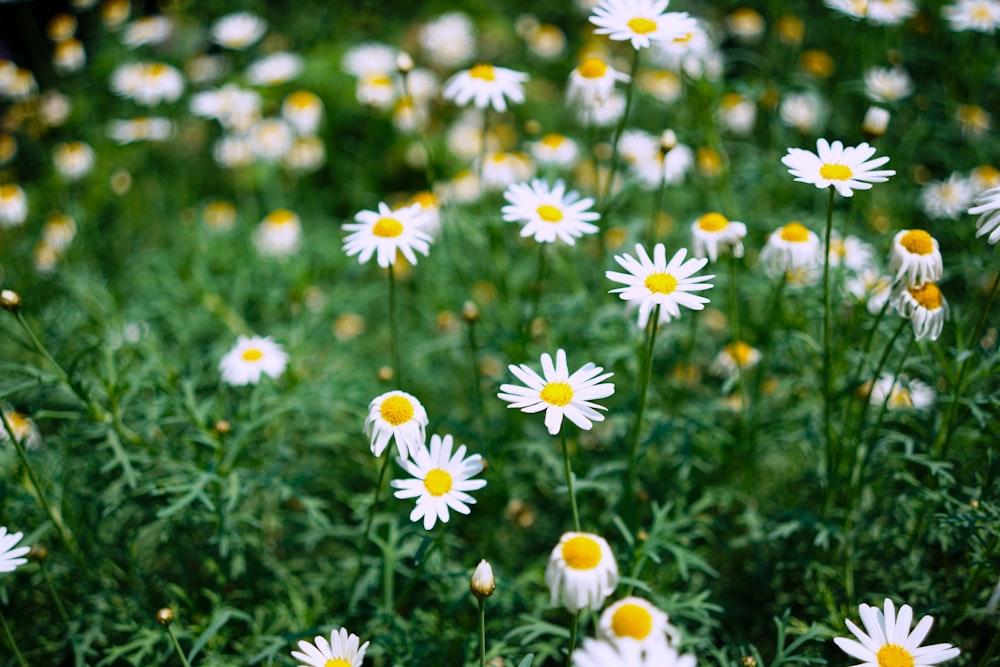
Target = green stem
(571,489)
(477,388)
(368,522)
(536,293)
(862,361)
(10,640)
(397,372)
(657,202)
(482,631)
(606,197)
(831,454)
(55,594)
(177,647)
(647,374)
(741,417)
(573,632)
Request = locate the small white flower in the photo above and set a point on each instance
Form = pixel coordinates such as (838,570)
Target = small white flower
(887,84)
(11,558)
(275,69)
(803,111)
(148,84)
(303,111)
(449,40)
(655,282)
(791,248)
(592,81)
(238,30)
(250,358)
(901,393)
(279,234)
(156,128)
(947,199)
(73,160)
(633,623)
(712,232)
(369,58)
(486,85)
(846,169)
(271,139)
(148,30)
(976,15)
(581,572)
(640,21)
(915,257)
(342,650)
(399,416)
(852,253)
(925,307)
(988,209)
(482,584)
(23,428)
(555,150)
(386,233)
(549,212)
(887,641)
(13,205)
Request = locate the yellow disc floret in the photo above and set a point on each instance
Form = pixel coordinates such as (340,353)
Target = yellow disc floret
(712,222)
(631,620)
(927,295)
(593,68)
(893,655)
(483,71)
(642,26)
(396,410)
(794,232)
(557,394)
(660,283)
(252,354)
(581,553)
(836,172)
(387,228)
(437,482)
(918,242)
(549,213)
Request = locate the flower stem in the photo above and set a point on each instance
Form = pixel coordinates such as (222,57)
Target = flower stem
(831,455)
(657,202)
(573,632)
(368,522)
(10,640)
(741,417)
(606,196)
(571,489)
(482,632)
(55,594)
(177,647)
(536,293)
(647,374)
(397,372)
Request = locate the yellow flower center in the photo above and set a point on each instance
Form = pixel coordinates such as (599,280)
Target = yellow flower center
(683,39)
(894,655)
(660,283)
(280,217)
(425,198)
(252,354)
(794,232)
(302,99)
(641,26)
(981,13)
(380,80)
(387,228)
(918,242)
(483,71)
(631,620)
(336,662)
(549,213)
(581,553)
(18,423)
(593,68)
(730,100)
(927,295)
(553,140)
(837,247)
(556,393)
(157,69)
(396,410)
(437,482)
(900,398)
(740,352)
(7,191)
(836,172)
(712,222)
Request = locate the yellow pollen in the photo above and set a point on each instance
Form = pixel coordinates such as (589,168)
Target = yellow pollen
(893,655)
(437,482)
(712,222)
(483,71)
(302,99)
(660,283)
(740,352)
(387,228)
(631,620)
(549,213)
(794,232)
(641,26)
(156,69)
(556,393)
(592,68)
(396,410)
(581,553)
(253,354)
(927,295)
(918,242)
(7,191)
(280,216)
(900,398)
(553,140)
(836,172)
(336,662)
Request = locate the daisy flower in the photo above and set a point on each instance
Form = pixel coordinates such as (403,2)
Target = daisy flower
(342,650)
(559,393)
(737,113)
(279,234)
(901,393)
(555,150)
(13,205)
(887,641)
(713,231)
(733,357)
(250,358)
(601,653)
(581,572)
(915,257)
(156,128)
(887,84)
(852,253)
(73,160)
(549,212)
(440,481)
(23,428)
(148,30)
(636,623)
(978,15)
(486,85)
(870,286)
(655,282)
(948,198)
(271,139)
(449,40)
(846,169)
(11,558)
(369,58)
(791,248)
(593,80)
(275,69)
(988,209)
(69,56)
(876,122)
(238,30)
(396,415)
(640,21)
(803,111)
(148,83)
(303,110)
(925,307)
(504,168)
(386,233)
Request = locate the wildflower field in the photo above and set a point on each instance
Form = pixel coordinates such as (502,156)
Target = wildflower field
(595,333)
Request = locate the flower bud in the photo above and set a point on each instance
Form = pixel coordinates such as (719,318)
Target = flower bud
(38,553)
(404,62)
(470,312)
(875,123)
(667,141)
(165,616)
(482,583)
(10,300)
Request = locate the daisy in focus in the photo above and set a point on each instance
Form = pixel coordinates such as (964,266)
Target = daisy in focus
(396,415)
(915,257)
(559,393)
(486,85)
(925,307)
(887,641)
(250,358)
(636,623)
(640,22)
(549,212)
(712,232)
(342,650)
(655,282)
(581,572)
(988,209)
(440,481)
(846,169)
(386,233)
(10,557)
(791,248)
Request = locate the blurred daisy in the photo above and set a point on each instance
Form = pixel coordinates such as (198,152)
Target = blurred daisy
(203,68)
(640,21)
(915,257)
(875,123)
(901,393)
(449,40)
(13,205)
(147,31)
(948,198)
(342,650)
(745,23)
(238,30)
(670,168)
(984,177)
(801,111)
(887,84)
(485,85)
(976,15)
(503,168)
(790,248)
(555,150)
(8,148)
(846,169)
(154,128)
(219,215)
(603,112)
(549,212)
(662,84)
(377,90)
(73,160)
(871,287)
(275,69)
(890,12)
(852,253)
(369,58)
(10,557)
(655,282)
(581,572)
(69,56)
(593,80)
(303,111)
(691,52)
(305,154)
(24,429)
(988,209)
(386,232)
(633,623)
(737,113)
(559,393)
(279,234)
(712,232)
(400,416)
(440,481)
(271,139)
(59,230)
(887,641)
(114,13)
(250,358)
(602,653)
(148,84)
(233,151)
(973,120)
(61,27)
(733,357)
(925,307)
(235,108)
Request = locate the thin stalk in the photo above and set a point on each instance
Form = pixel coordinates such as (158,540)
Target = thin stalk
(859,429)
(10,640)
(573,631)
(368,522)
(860,367)
(606,196)
(734,325)
(657,201)
(831,454)
(397,372)
(571,489)
(647,374)
(55,594)
(177,647)
(482,631)
(477,388)
(888,396)
(536,293)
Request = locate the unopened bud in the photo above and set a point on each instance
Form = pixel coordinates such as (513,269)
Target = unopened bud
(404,63)
(876,122)
(385,373)
(10,300)
(222,427)
(470,312)
(38,553)
(482,583)
(165,616)
(667,141)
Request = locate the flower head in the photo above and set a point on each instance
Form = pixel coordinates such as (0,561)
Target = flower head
(440,481)
(948,198)
(13,205)
(846,169)
(275,69)
(559,393)
(250,358)
(486,85)
(342,650)
(592,81)
(640,21)
(636,623)
(11,558)
(901,393)
(977,15)
(549,212)
(386,233)
(925,306)
(23,428)
(887,641)
(581,572)
(790,248)
(238,30)
(482,584)
(396,415)
(655,282)
(915,257)
(713,231)
(601,653)
(988,209)
(279,234)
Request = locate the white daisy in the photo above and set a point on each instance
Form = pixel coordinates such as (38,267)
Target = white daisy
(251,357)
(890,12)
(887,641)
(581,572)
(636,623)
(669,168)
(486,85)
(977,15)
(593,80)
(655,282)
(271,139)
(602,653)
(275,69)
(603,112)
(875,123)
(734,357)
(504,168)
(342,650)
(238,30)
(303,111)
(559,393)
(441,481)
(23,428)
(803,111)
(713,231)
(155,128)
(59,230)
(691,52)
(555,150)
(73,160)
(11,558)
(871,287)
(791,248)
(924,306)
(148,84)
(13,205)
(449,40)
(232,151)
(846,169)
(279,234)
(948,198)
(549,212)
(148,30)
(901,393)
(852,253)
(988,209)
(737,113)
(915,257)
(369,58)
(640,21)
(887,84)
(746,24)
(386,233)
(396,415)
(306,154)
(69,56)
